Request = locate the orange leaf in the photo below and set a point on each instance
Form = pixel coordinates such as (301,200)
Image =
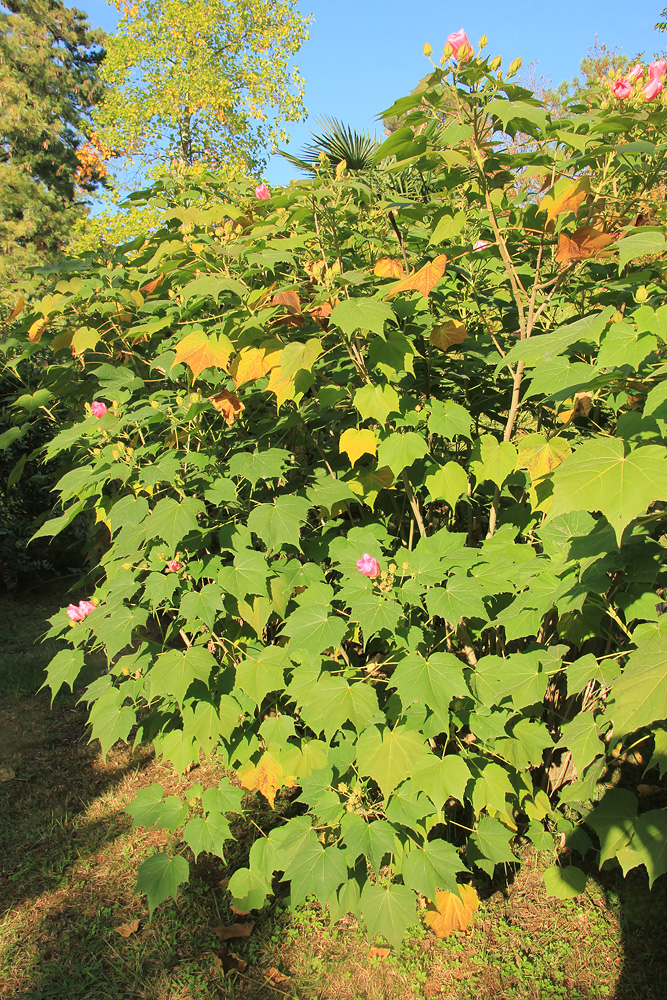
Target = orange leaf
(253,362)
(36,330)
(226,931)
(274,976)
(126,930)
(565,197)
(198,352)
(388,267)
(152,285)
(18,308)
(267,777)
(378,953)
(290,299)
(321,314)
(452,912)
(424,280)
(448,333)
(586,242)
(583,404)
(229,405)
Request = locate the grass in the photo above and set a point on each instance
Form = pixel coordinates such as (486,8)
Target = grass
(68,862)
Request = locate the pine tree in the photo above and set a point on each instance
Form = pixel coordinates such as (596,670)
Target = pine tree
(49,82)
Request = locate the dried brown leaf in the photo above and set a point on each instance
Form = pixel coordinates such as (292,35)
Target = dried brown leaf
(226,931)
(127,930)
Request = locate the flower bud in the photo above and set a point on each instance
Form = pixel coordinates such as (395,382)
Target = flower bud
(515,66)
(495,63)
(483,42)
(641,295)
(427,49)
(447,51)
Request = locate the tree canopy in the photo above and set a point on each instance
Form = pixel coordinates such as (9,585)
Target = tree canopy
(49,81)
(202,81)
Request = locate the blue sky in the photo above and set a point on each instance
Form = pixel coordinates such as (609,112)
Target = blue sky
(363,54)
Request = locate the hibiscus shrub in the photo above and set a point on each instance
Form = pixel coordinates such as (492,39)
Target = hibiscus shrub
(379,480)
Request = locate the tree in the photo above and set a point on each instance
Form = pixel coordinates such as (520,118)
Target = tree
(202,80)
(49,81)
(340,144)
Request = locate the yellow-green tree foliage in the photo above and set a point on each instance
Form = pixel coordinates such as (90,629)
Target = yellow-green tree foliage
(203,81)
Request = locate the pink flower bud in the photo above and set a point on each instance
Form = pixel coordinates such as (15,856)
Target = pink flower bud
(621,88)
(653,88)
(636,73)
(98,409)
(368,566)
(657,69)
(480,245)
(461,47)
(173,566)
(78,613)
(262,192)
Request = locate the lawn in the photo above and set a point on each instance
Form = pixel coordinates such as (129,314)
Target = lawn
(72,927)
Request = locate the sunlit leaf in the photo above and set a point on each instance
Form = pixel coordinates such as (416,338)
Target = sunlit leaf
(355,443)
(448,333)
(452,912)
(229,405)
(566,196)
(266,777)
(253,362)
(424,280)
(199,351)
(388,267)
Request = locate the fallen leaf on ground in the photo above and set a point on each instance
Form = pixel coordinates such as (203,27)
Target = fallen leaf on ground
(126,930)
(378,953)
(226,931)
(6,774)
(274,976)
(452,912)
(227,961)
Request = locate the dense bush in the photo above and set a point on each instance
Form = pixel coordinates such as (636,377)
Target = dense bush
(398,537)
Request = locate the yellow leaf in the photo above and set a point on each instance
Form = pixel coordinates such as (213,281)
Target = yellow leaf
(357,443)
(539,456)
(452,912)
(566,196)
(36,330)
(424,280)
(388,267)
(266,777)
(198,351)
(18,308)
(281,386)
(229,405)
(450,332)
(253,362)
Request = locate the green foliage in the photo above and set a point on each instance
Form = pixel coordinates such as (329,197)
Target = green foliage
(480,688)
(49,81)
(201,82)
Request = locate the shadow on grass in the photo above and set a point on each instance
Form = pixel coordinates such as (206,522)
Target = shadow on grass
(68,862)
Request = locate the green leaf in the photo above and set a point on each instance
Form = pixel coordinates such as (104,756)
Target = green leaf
(441,777)
(519,113)
(432,867)
(599,475)
(110,720)
(64,668)
(248,575)
(613,820)
(249,889)
(582,739)
(491,788)
(149,808)
(297,357)
(202,605)
(564,883)
(490,841)
(449,419)
(262,671)
(374,612)
(448,483)
(639,697)
(547,346)
(389,757)
(376,402)
(160,876)
(256,465)
(311,627)
(461,598)
(361,314)
(648,845)
(172,521)
(432,682)
(374,840)
(623,345)
(639,245)
(315,870)
(207,833)
(278,523)
(174,672)
(330,702)
(211,285)
(388,910)
(398,451)
(492,459)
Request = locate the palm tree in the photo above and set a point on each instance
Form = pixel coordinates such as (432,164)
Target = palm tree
(339,143)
